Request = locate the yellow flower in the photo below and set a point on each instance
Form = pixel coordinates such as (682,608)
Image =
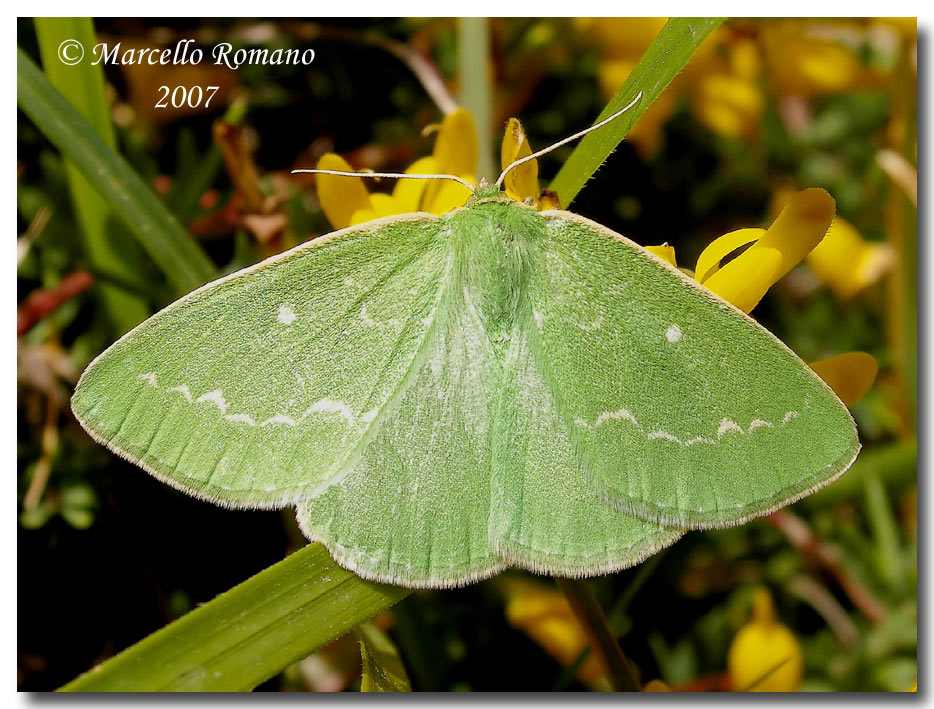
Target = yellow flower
(801,62)
(346,200)
(765,656)
(729,105)
(545,615)
(844,261)
(773,253)
(847,262)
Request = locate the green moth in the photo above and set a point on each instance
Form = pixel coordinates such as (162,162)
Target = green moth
(443,397)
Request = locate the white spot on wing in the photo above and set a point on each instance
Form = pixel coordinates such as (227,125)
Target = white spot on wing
(149,377)
(727,425)
(369,415)
(183,390)
(538,318)
(789,415)
(241,418)
(286,315)
(673,333)
(215,397)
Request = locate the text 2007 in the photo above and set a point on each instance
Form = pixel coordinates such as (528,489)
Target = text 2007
(180,96)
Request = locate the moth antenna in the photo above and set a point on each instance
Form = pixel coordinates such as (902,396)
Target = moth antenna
(399,175)
(544,151)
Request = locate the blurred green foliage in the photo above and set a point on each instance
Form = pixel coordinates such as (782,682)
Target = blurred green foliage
(107,555)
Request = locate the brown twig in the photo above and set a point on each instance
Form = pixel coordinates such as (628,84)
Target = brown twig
(620,672)
(40,303)
(43,469)
(820,599)
(797,531)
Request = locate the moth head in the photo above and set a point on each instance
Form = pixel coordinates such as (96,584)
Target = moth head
(485,192)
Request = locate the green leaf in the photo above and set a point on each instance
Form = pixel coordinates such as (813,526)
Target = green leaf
(82,85)
(884,531)
(248,634)
(180,258)
(383,670)
(662,61)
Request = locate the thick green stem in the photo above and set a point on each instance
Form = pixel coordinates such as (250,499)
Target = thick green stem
(476,93)
(621,673)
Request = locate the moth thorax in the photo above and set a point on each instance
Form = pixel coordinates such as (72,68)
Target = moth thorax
(497,267)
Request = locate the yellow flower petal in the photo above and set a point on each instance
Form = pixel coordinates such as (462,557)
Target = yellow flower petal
(709,260)
(745,287)
(850,375)
(846,262)
(664,252)
(384,205)
(744,58)
(656,685)
(729,105)
(797,230)
(408,193)
(449,195)
(361,216)
(623,36)
(455,153)
(340,197)
(522,181)
(765,656)
(545,615)
(808,65)
(548,199)
(456,147)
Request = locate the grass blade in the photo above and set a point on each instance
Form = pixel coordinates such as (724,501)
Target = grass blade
(383,670)
(248,634)
(662,61)
(107,249)
(180,258)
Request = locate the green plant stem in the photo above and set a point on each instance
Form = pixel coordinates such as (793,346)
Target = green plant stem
(184,263)
(473,58)
(662,61)
(622,675)
(248,634)
(902,234)
(107,246)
